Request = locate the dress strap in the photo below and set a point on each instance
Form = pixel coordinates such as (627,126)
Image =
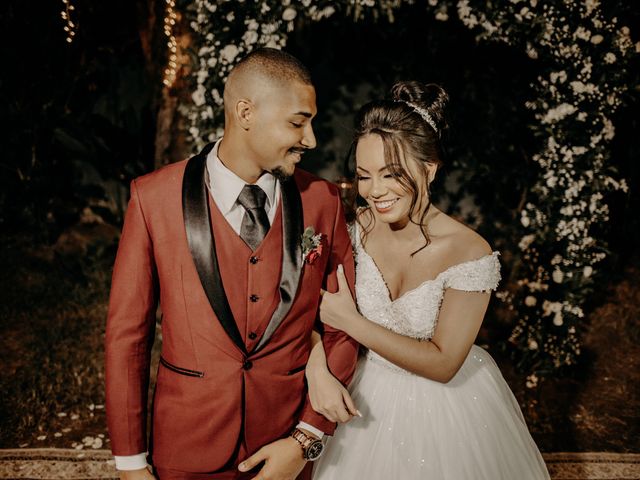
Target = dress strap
(480,275)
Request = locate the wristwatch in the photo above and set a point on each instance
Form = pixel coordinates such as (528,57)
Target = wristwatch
(311,447)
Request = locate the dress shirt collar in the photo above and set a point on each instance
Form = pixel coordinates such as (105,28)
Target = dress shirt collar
(225,186)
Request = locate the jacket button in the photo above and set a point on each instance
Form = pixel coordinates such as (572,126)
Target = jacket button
(254,298)
(253,260)
(253,336)
(247,365)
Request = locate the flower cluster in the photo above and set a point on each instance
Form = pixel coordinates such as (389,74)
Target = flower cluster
(584,57)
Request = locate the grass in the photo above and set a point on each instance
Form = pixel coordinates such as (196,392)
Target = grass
(52,314)
(52,318)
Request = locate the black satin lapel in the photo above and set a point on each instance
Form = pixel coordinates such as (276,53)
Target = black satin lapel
(200,236)
(292,229)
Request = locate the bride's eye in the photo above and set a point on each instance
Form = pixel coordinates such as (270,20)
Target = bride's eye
(361,178)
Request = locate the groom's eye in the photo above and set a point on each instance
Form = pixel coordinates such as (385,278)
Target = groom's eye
(296,125)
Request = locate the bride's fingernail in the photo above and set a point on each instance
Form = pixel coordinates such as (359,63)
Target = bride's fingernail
(358,413)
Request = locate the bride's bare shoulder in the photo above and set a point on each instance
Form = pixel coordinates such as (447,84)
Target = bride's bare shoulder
(463,243)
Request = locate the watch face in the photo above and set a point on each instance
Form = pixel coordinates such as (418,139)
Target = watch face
(314,450)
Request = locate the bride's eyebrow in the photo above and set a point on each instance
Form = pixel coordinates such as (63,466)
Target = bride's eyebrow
(367,171)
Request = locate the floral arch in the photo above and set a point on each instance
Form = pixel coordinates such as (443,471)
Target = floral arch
(583,57)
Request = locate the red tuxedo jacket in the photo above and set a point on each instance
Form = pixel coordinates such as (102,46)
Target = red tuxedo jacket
(226,386)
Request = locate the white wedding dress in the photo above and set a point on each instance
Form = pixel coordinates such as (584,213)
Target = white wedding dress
(414,428)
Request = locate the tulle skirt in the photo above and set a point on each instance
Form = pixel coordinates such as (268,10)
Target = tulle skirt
(413,428)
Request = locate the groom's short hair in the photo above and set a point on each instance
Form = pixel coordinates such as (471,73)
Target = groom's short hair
(275,65)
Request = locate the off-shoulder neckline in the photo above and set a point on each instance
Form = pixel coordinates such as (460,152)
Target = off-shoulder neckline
(425,282)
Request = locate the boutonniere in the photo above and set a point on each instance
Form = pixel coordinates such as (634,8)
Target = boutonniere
(311,245)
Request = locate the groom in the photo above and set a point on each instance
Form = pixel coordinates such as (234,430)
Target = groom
(235,245)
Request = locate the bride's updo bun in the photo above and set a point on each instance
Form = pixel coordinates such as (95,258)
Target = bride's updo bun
(430,97)
(411,124)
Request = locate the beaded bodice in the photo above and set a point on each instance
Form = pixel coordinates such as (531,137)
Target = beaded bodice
(415,313)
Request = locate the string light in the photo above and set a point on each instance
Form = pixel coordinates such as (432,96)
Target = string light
(169,22)
(70,27)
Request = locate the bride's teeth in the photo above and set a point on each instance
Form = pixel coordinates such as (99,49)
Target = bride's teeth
(384,205)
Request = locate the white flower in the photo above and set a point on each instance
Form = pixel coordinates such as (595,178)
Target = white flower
(525,221)
(442,16)
(587,271)
(250,37)
(463,8)
(526,241)
(579,87)
(198,96)
(532,381)
(558,113)
(252,24)
(560,76)
(608,130)
(582,33)
(552,181)
(216,96)
(289,14)
(229,53)
(609,58)
(591,5)
(533,345)
(231,17)
(557,319)
(596,39)
(557,276)
(530,301)
(433,3)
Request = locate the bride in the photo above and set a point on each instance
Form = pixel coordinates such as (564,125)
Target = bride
(434,405)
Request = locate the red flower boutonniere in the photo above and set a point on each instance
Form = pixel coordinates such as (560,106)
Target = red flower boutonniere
(311,245)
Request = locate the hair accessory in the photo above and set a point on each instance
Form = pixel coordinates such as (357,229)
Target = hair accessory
(423,113)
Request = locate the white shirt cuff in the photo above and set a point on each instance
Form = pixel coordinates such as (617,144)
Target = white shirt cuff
(312,429)
(131,462)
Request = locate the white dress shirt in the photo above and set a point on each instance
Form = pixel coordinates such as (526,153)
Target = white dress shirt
(225,187)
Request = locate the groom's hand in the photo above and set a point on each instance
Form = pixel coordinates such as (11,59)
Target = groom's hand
(282,460)
(142,474)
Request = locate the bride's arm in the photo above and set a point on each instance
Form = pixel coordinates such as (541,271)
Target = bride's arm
(327,395)
(438,359)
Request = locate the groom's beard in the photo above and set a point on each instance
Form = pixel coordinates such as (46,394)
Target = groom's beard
(281,174)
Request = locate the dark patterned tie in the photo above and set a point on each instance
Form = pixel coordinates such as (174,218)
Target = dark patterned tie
(255,223)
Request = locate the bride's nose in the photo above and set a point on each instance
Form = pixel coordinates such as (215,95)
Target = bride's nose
(377,189)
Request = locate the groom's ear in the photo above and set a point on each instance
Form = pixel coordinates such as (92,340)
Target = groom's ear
(245,110)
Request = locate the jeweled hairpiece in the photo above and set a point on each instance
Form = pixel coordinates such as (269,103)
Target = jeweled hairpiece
(423,113)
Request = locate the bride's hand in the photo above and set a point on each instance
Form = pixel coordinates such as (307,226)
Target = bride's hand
(328,397)
(338,310)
